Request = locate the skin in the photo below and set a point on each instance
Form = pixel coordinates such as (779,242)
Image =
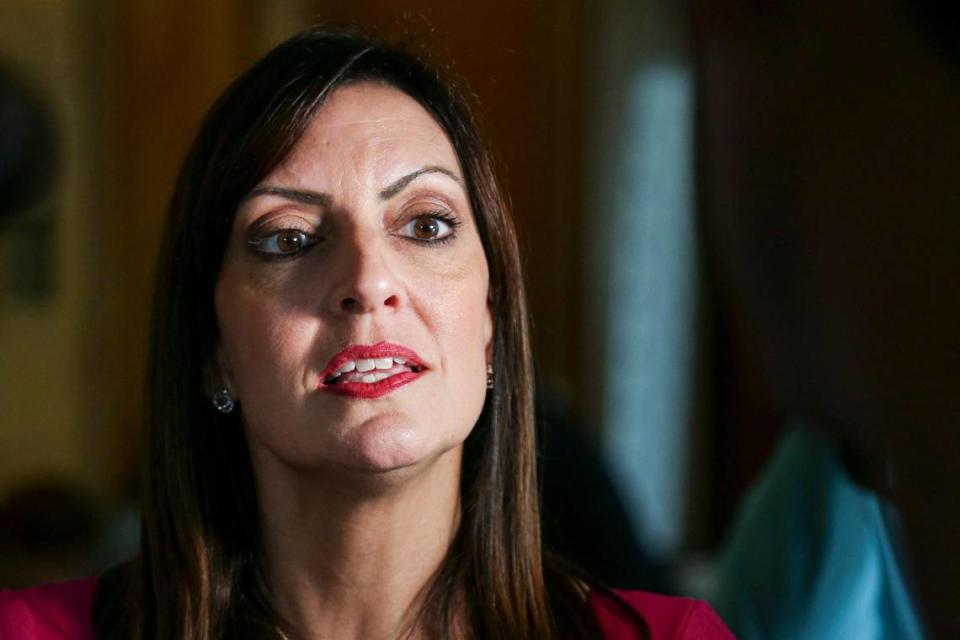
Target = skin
(359,498)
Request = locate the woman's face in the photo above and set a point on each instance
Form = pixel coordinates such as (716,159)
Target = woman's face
(352,301)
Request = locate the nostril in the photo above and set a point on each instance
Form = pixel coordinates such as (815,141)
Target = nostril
(350,305)
(354,305)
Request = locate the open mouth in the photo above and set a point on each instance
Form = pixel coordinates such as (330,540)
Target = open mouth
(371,371)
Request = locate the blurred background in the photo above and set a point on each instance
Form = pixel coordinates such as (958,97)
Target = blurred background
(737,216)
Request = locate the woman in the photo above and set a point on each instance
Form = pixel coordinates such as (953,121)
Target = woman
(340,430)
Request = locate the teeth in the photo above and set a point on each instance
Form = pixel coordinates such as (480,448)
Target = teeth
(368,370)
(346,367)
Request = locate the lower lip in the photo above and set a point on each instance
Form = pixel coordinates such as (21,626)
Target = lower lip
(372,389)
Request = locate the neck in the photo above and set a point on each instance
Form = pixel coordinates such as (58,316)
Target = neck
(348,555)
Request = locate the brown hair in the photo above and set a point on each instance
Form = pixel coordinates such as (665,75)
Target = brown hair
(198,574)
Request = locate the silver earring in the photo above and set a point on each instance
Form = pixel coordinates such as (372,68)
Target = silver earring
(222,401)
(489,376)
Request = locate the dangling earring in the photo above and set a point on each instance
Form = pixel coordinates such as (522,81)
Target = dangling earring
(222,401)
(489,376)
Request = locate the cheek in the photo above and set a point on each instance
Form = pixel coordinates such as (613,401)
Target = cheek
(463,326)
(262,342)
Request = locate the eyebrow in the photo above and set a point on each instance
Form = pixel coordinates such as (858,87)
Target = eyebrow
(297,195)
(401,183)
(318,199)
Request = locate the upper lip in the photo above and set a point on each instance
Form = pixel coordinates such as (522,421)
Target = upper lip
(372,351)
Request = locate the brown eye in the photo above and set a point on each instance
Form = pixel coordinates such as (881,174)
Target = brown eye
(285,242)
(290,241)
(426,228)
(430,228)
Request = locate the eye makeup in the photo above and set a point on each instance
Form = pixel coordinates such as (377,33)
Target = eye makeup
(282,237)
(434,227)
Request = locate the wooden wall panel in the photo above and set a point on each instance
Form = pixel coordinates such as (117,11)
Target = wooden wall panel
(157,68)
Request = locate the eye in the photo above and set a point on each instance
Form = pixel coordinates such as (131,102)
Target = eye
(430,227)
(285,242)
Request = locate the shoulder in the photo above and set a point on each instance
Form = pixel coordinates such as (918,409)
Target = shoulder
(621,615)
(48,612)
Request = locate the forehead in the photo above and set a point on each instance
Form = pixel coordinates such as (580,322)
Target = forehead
(368,128)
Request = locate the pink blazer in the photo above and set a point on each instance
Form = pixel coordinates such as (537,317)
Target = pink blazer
(62,612)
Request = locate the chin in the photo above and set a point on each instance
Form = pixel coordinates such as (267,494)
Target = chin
(382,451)
(384,446)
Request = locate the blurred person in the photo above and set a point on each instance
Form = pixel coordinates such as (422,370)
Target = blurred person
(583,515)
(837,255)
(340,422)
(815,552)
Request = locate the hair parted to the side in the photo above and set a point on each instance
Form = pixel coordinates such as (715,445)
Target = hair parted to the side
(198,575)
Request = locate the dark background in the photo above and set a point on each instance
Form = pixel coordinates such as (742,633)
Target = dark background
(827,141)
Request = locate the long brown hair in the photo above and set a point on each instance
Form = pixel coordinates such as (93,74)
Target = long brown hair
(198,574)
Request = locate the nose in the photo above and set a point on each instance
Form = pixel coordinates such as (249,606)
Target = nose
(365,281)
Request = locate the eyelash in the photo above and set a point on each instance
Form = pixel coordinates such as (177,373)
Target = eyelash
(256,242)
(311,239)
(443,216)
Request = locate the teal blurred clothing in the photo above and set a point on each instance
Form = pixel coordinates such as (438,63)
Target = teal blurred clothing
(813,555)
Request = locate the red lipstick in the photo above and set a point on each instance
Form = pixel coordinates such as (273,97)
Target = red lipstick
(370,371)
